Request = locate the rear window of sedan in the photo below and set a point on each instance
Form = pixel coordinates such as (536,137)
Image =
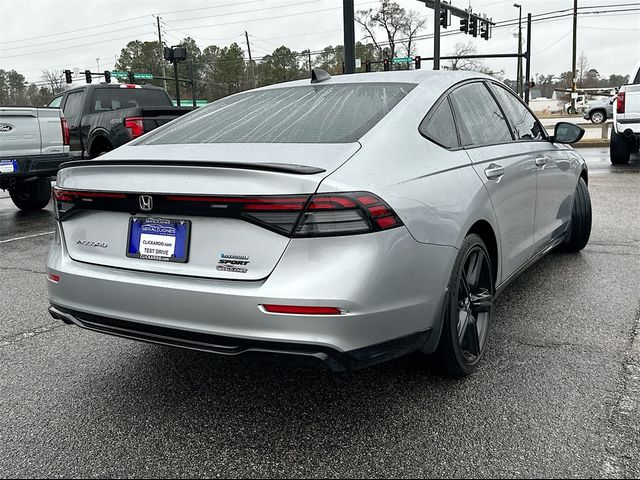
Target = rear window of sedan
(305,114)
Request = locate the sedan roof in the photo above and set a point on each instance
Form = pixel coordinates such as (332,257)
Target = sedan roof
(407,76)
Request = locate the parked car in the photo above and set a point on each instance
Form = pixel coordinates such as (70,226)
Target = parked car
(103,116)
(599,111)
(625,133)
(345,220)
(33,144)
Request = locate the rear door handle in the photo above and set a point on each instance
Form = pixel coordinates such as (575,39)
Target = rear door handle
(541,161)
(494,171)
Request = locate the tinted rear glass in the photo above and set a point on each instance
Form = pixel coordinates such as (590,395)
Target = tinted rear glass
(306,114)
(107,99)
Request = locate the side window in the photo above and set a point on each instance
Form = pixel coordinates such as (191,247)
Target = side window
(55,103)
(525,125)
(440,127)
(73,106)
(480,120)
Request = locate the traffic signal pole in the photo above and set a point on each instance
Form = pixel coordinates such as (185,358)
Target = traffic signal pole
(527,93)
(436,35)
(175,74)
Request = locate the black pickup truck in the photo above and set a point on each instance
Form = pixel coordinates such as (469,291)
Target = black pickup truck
(103,116)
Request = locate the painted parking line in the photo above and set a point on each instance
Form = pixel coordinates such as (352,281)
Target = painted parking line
(27,236)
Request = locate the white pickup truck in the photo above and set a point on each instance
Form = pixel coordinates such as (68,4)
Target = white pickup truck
(33,144)
(625,135)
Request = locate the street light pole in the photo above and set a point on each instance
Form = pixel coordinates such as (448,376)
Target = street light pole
(519,84)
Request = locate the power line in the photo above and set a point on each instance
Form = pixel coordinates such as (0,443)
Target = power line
(126,20)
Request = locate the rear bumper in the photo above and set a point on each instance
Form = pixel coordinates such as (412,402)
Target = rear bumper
(390,287)
(32,166)
(295,354)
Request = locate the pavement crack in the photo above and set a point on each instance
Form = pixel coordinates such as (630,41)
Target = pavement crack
(13,339)
(27,270)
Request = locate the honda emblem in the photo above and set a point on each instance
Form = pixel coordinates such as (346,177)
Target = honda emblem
(146,203)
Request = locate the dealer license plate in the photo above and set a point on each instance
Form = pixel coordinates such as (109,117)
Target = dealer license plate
(161,239)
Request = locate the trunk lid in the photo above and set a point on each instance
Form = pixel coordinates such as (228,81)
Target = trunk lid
(221,245)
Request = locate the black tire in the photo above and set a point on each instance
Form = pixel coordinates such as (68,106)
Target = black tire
(619,149)
(570,110)
(467,309)
(580,219)
(33,195)
(598,116)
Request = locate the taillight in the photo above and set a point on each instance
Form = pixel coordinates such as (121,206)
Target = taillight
(345,214)
(65,131)
(319,215)
(621,102)
(135,126)
(66,200)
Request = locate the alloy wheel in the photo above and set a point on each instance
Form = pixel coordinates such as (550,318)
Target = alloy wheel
(474,304)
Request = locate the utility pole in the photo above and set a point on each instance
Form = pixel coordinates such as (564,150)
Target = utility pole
(310,66)
(164,74)
(436,35)
(349,36)
(519,89)
(574,83)
(253,79)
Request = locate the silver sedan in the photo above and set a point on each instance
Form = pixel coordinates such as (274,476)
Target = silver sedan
(343,221)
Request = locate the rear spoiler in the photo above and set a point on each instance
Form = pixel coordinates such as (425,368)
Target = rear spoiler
(269,167)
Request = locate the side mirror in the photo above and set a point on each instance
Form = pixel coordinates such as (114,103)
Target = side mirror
(566,132)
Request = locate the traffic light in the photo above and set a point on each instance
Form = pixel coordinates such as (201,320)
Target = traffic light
(485,30)
(417,60)
(67,76)
(386,64)
(473,27)
(87,76)
(464,25)
(445,17)
(107,76)
(132,77)
(367,66)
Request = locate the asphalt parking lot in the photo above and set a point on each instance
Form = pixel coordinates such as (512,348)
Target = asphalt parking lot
(557,395)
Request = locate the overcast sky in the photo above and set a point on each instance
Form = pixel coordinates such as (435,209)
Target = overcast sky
(38,35)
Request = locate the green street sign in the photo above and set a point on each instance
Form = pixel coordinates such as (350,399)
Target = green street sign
(119,74)
(143,76)
(403,60)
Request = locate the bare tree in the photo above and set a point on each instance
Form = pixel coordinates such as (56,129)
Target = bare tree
(55,80)
(414,23)
(460,50)
(395,23)
(473,64)
(583,68)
